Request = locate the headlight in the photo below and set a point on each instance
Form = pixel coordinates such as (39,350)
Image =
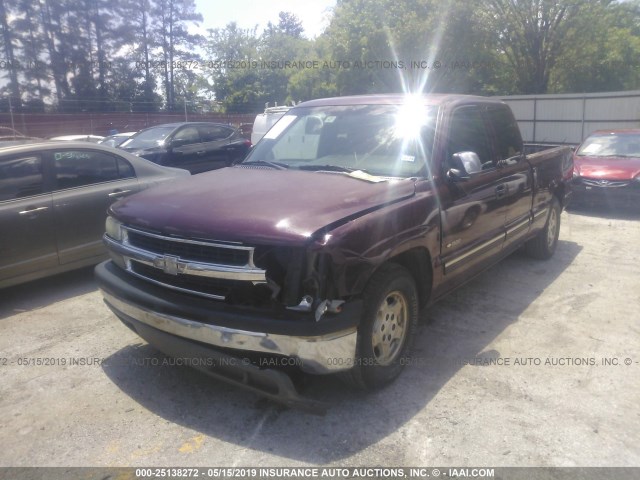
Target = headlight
(114,228)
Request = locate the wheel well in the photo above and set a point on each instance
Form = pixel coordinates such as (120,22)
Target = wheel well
(559,193)
(418,262)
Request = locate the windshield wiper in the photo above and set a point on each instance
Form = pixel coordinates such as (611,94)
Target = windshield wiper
(276,165)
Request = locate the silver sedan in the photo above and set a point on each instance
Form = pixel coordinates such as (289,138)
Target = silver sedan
(53,202)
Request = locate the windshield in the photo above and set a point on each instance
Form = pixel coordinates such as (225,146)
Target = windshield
(149,138)
(114,140)
(611,145)
(381,140)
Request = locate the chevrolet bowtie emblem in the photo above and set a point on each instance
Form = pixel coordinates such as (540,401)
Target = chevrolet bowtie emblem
(604,182)
(168,263)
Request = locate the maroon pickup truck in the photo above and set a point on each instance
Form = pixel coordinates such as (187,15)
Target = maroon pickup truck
(323,248)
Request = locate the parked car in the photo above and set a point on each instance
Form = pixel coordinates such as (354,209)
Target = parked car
(53,203)
(345,221)
(79,138)
(607,168)
(194,146)
(10,136)
(8,142)
(116,139)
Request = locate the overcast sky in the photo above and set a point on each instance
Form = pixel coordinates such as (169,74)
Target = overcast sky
(314,14)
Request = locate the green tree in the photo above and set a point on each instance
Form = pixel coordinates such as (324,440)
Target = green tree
(56,53)
(602,51)
(407,46)
(237,89)
(307,84)
(288,24)
(10,58)
(177,43)
(532,35)
(33,69)
(143,24)
(279,44)
(250,69)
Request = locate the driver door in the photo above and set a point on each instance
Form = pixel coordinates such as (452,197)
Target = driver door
(472,213)
(187,150)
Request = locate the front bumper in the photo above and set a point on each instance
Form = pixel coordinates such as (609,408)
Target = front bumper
(272,384)
(606,194)
(320,347)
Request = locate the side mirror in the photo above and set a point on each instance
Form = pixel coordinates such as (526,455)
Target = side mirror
(456,175)
(470,161)
(313,126)
(463,165)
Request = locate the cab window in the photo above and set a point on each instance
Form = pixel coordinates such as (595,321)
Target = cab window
(507,133)
(468,133)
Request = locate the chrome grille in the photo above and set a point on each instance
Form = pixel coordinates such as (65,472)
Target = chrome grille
(210,287)
(254,167)
(603,183)
(189,250)
(209,269)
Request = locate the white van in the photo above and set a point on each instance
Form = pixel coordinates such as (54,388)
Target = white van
(265,121)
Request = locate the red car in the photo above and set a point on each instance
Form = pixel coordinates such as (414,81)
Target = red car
(607,168)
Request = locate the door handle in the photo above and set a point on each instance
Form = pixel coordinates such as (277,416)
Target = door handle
(118,193)
(201,152)
(501,191)
(32,210)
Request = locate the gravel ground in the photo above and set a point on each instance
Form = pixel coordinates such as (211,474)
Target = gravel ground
(524,366)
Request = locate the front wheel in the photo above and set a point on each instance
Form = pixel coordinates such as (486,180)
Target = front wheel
(387,328)
(543,245)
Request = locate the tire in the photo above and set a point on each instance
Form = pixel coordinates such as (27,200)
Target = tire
(469,218)
(543,245)
(390,305)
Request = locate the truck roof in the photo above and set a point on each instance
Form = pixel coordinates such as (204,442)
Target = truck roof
(398,99)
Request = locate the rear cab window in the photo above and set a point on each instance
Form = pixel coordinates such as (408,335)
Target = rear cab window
(506,133)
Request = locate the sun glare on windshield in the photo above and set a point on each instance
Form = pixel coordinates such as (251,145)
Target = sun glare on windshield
(411,119)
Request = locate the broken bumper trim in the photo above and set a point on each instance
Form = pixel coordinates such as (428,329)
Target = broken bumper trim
(272,384)
(328,353)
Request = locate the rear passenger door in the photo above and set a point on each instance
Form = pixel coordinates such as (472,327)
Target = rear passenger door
(27,240)
(86,183)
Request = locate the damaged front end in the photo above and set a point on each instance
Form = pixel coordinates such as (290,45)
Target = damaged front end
(245,302)
(264,277)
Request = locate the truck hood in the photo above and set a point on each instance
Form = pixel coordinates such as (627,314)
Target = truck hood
(276,207)
(610,168)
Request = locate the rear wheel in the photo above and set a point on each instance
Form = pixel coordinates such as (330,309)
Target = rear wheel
(387,328)
(543,245)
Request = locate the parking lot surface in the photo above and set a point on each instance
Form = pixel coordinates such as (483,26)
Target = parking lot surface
(530,364)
